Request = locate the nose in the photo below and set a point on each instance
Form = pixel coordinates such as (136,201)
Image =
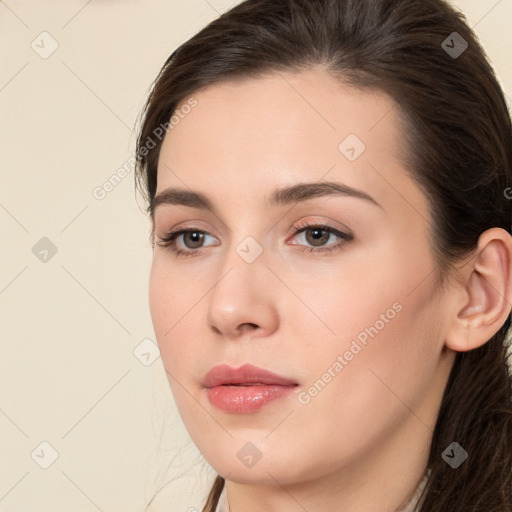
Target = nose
(238,331)
(242,300)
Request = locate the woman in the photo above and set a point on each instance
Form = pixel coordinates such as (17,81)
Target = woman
(331,277)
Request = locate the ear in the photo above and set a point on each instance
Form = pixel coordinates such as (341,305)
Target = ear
(486,285)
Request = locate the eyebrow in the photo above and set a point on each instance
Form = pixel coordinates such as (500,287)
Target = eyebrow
(282,196)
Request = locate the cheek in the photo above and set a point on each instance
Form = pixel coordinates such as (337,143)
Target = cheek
(381,320)
(376,384)
(171,302)
(161,296)
(173,293)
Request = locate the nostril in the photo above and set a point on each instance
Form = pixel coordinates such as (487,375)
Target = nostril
(252,326)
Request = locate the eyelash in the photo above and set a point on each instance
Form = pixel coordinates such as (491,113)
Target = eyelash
(168,241)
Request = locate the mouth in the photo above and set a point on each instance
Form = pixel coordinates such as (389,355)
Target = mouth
(246,375)
(246,384)
(246,389)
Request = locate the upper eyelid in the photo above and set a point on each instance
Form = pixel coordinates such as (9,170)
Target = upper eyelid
(293,228)
(341,233)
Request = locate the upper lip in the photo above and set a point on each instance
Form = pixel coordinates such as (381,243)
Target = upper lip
(246,374)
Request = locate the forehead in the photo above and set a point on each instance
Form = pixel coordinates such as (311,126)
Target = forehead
(283,128)
(283,99)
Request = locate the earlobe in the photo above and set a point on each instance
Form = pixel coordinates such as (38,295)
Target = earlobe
(486,302)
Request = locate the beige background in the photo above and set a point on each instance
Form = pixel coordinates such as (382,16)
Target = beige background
(69,326)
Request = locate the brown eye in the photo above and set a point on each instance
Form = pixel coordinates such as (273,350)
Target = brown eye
(193,239)
(185,242)
(318,236)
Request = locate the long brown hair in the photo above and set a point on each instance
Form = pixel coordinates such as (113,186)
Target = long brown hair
(459,141)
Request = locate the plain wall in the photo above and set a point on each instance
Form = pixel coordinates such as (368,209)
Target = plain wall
(70,321)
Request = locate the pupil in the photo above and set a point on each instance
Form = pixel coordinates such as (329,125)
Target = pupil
(318,235)
(195,237)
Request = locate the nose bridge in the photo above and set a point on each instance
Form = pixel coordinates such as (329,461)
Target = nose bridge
(241,268)
(240,294)
(244,252)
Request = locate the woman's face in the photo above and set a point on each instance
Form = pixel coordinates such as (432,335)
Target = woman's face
(346,309)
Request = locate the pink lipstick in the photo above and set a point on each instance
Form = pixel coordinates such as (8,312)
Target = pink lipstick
(246,389)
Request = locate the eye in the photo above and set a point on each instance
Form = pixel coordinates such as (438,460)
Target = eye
(318,235)
(193,239)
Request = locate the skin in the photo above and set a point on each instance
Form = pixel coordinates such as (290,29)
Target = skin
(362,442)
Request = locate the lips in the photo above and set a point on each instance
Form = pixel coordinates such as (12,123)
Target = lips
(224,375)
(246,389)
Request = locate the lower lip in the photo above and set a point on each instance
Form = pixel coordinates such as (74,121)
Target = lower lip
(246,399)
